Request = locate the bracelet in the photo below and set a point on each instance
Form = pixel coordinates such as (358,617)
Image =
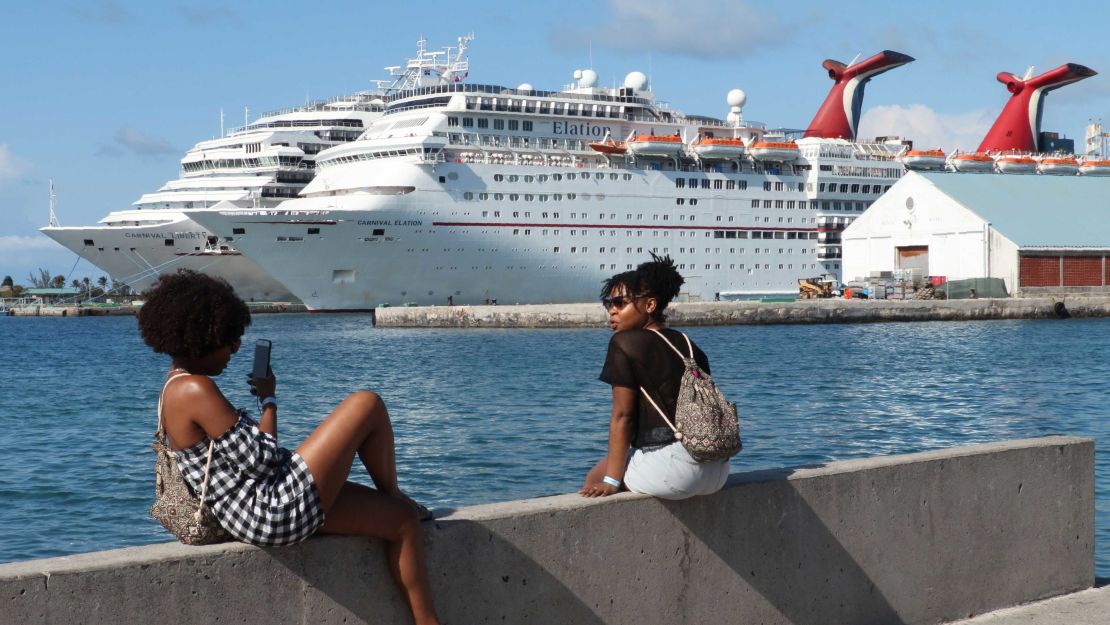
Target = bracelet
(615,483)
(271,400)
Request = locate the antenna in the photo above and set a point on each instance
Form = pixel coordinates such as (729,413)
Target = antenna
(590,43)
(246,116)
(1028,73)
(854,59)
(53,218)
(221,121)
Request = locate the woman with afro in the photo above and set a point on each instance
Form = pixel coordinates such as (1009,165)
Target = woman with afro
(262,493)
(644,454)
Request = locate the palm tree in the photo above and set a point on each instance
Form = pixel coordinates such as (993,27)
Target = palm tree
(57,281)
(103,282)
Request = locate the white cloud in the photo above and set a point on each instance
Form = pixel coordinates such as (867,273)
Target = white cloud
(128,139)
(927,128)
(697,28)
(11,168)
(17,244)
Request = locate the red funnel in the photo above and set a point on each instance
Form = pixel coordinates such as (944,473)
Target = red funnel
(838,117)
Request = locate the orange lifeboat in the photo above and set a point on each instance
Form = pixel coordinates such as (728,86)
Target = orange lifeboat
(971,161)
(923,160)
(774,151)
(1058,165)
(711,148)
(655,145)
(1015,164)
(1095,167)
(609,146)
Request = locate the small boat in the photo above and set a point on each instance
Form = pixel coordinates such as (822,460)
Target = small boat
(775,151)
(655,145)
(1015,164)
(711,148)
(1058,165)
(608,146)
(1095,167)
(971,161)
(923,160)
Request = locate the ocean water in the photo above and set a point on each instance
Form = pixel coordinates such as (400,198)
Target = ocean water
(495,415)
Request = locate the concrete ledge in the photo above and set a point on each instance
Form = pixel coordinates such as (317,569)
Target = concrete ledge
(920,538)
(737,313)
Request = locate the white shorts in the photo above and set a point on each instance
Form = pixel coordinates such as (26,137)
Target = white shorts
(671,473)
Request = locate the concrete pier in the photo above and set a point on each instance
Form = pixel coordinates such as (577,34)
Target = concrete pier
(913,539)
(735,313)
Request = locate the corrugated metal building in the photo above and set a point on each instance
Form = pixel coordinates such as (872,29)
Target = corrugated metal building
(1038,233)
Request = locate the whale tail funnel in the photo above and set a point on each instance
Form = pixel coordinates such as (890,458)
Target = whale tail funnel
(1018,127)
(838,117)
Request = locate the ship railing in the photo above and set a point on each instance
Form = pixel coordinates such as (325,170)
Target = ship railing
(505,91)
(297,123)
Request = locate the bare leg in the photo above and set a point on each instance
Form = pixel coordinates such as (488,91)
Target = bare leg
(360,424)
(362,511)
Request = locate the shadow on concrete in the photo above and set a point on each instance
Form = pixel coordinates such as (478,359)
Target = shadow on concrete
(787,553)
(476,576)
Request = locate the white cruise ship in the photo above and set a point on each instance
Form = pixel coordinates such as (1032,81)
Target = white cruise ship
(256,166)
(469,193)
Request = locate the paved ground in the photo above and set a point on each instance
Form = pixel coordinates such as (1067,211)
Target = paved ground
(1090,607)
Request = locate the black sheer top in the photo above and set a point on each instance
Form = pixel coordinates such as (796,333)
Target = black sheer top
(640,358)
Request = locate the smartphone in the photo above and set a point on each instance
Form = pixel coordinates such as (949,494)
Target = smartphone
(261,359)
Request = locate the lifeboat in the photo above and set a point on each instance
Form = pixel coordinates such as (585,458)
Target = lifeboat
(923,160)
(971,161)
(1015,164)
(1058,165)
(1095,167)
(710,148)
(775,151)
(609,146)
(655,145)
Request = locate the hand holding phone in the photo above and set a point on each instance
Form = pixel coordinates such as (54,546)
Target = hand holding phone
(262,379)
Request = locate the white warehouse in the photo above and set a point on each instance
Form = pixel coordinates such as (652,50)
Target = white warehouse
(1038,233)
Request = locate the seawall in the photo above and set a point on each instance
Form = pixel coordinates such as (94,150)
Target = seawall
(746,312)
(919,538)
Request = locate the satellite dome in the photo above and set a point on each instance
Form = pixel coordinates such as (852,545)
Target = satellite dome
(525,87)
(636,80)
(588,79)
(737,97)
(578,74)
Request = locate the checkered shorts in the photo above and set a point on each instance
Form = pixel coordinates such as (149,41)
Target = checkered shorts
(261,493)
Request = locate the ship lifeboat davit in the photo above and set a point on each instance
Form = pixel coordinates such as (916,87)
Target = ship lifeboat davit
(774,151)
(710,148)
(655,145)
(609,146)
(1015,164)
(971,161)
(923,160)
(1095,167)
(1058,165)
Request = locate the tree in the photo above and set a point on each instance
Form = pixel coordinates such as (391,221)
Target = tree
(103,282)
(43,280)
(57,281)
(7,282)
(75,284)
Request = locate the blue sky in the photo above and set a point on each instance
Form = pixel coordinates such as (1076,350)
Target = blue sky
(105,96)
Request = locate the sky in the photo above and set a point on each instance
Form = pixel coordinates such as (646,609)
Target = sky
(105,96)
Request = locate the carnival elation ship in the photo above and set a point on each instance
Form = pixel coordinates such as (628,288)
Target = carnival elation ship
(1013,143)
(256,166)
(468,193)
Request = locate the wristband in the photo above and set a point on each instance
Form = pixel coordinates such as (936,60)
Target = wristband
(615,483)
(271,400)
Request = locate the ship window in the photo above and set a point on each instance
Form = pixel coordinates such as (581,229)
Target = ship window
(483,122)
(844,188)
(314,231)
(680,201)
(693,201)
(498,124)
(468,122)
(169,242)
(452,121)
(514,124)
(527,125)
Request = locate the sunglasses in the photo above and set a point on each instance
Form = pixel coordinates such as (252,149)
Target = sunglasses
(619,301)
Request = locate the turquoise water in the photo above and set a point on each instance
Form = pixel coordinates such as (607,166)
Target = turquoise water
(493,415)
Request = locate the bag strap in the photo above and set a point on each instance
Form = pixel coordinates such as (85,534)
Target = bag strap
(689,345)
(660,411)
(161,436)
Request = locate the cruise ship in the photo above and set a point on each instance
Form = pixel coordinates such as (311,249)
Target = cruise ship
(471,193)
(256,166)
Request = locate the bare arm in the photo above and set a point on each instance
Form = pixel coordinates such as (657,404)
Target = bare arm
(620,437)
(193,408)
(263,388)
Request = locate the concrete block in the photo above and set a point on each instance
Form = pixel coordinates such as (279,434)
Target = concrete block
(920,538)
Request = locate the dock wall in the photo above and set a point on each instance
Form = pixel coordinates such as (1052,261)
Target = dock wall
(919,538)
(737,313)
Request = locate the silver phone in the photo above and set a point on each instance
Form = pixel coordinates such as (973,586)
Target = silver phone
(261,359)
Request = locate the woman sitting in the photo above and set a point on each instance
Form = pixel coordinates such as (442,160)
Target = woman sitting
(638,358)
(260,492)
